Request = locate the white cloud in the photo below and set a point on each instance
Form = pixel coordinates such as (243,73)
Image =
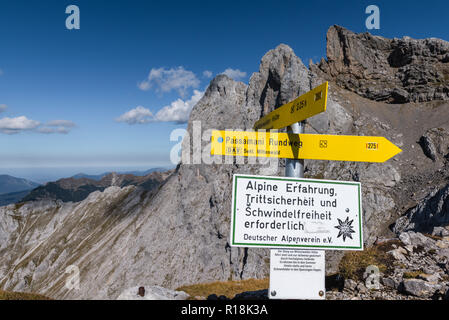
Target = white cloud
(235,74)
(47,130)
(57,126)
(22,123)
(207,74)
(178,111)
(139,115)
(61,123)
(144,85)
(17,125)
(166,80)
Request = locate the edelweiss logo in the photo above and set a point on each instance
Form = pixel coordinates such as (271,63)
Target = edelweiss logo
(345,228)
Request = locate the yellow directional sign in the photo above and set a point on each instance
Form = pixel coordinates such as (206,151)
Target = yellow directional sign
(306,106)
(302,146)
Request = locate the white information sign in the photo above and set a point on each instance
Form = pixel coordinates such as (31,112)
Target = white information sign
(286,213)
(297,274)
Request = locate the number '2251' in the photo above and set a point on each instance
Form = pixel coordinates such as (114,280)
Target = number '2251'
(372,146)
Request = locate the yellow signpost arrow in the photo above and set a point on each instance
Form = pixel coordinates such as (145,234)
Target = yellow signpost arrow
(302,146)
(306,106)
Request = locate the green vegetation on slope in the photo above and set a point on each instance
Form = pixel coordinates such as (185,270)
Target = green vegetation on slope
(225,288)
(6,295)
(354,263)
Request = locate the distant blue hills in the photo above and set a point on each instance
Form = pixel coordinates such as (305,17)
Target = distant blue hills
(10,184)
(13,189)
(98,177)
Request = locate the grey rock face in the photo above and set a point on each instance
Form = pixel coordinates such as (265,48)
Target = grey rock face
(432,278)
(399,253)
(390,283)
(281,78)
(153,293)
(443,253)
(428,147)
(432,212)
(418,288)
(416,239)
(435,144)
(418,270)
(440,232)
(350,284)
(391,70)
(361,288)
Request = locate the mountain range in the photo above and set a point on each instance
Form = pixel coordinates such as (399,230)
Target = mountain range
(9,184)
(77,189)
(102,175)
(13,189)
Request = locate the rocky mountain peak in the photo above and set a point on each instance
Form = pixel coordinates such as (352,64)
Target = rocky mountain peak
(217,108)
(390,70)
(229,104)
(282,76)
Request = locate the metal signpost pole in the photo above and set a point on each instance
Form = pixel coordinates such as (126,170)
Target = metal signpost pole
(295,167)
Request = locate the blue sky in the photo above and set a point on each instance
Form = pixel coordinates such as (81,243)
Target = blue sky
(93,76)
